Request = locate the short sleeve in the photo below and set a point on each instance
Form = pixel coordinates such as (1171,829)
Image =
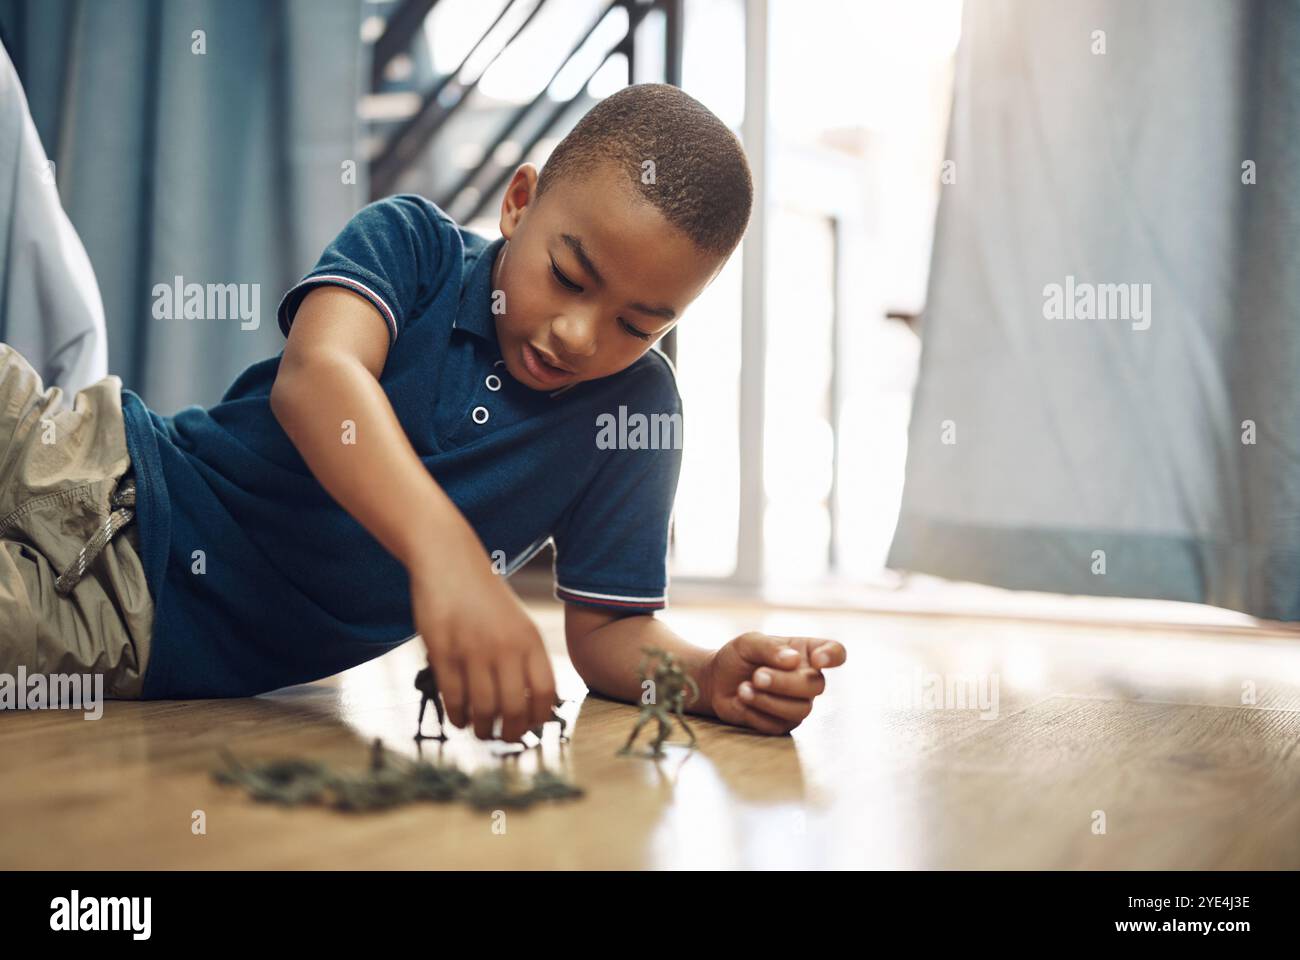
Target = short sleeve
(389,253)
(611,545)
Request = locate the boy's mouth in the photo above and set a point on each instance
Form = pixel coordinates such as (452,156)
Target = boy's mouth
(541,368)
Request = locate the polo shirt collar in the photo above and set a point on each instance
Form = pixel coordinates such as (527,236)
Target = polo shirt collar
(475,314)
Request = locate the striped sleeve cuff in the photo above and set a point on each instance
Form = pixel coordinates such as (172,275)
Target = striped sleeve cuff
(616,601)
(295,294)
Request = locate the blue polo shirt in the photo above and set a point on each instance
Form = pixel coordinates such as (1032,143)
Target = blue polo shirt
(261,580)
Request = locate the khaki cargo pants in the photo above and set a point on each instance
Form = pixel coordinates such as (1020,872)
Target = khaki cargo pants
(73,596)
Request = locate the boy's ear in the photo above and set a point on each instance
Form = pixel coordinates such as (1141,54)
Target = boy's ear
(519,195)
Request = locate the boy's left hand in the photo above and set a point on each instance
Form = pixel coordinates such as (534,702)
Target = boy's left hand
(768,683)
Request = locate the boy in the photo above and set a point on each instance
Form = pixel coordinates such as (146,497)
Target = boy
(432,417)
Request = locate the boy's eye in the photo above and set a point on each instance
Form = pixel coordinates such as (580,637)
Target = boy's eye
(633,330)
(570,285)
(564,281)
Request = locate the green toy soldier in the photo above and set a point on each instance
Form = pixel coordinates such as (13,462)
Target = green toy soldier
(668,699)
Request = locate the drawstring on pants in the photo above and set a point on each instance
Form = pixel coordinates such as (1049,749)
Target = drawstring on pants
(122,504)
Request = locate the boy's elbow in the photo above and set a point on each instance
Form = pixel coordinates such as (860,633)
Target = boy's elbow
(279,399)
(584,656)
(284,394)
(577,650)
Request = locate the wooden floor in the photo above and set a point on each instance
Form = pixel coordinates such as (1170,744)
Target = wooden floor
(1142,731)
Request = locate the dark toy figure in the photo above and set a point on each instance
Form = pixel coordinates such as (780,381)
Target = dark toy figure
(428,687)
(427,684)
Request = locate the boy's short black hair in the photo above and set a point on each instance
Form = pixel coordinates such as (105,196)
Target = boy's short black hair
(699,180)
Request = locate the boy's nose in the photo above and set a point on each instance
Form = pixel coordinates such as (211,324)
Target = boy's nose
(575,337)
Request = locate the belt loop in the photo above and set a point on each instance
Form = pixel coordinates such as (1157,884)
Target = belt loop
(122,505)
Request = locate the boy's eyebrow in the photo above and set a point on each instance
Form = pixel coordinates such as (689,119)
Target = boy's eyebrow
(575,244)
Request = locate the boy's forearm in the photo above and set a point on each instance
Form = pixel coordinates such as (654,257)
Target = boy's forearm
(607,658)
(408,513)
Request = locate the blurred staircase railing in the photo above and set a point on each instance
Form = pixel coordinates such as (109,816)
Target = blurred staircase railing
(449,93)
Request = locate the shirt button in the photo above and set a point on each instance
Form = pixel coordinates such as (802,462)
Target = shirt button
(480,414)
(499,363)
(493,382)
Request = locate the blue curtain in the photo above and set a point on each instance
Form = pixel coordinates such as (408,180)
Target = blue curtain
(1065,440)
(201,139)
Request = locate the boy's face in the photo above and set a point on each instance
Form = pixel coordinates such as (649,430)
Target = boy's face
(592,277)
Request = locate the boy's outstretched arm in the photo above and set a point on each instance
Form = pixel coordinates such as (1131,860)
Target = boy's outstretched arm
(764,682)
(486,651)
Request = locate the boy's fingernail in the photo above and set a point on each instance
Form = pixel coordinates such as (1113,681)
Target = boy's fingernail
(787,652)
(762,678)
(746,691)
(822,659)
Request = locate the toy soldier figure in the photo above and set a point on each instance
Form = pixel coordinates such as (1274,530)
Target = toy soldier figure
(427,684)
(668,699)
(555,717)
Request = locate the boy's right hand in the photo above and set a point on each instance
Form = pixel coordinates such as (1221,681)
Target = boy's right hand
(485,650)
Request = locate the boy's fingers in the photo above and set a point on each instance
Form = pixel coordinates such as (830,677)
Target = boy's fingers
(451,684)
(826,653)
(541,687)
(482,698)
(513,705)
(764,723)
(761,649)
(802,682)
(791,709)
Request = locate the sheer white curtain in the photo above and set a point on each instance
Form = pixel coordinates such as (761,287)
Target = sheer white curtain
(50,308)
(1109,398)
